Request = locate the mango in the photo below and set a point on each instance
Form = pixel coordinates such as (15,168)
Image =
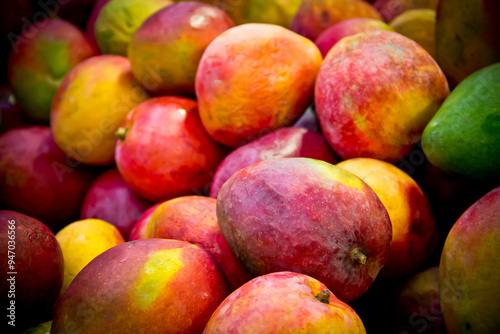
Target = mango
(119,19)
(377,107)
(418,25)
(315,16)
(468,274)
(166,49)
(306,216)
(39,61)
(90,105)
(463,137)
(154,286)
(467,36)
(255,78)
(81,242)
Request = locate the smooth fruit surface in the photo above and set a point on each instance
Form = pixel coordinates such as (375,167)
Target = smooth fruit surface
(467,37)
(258,307)
(166,49)
(119,19)
(40,59)
(82,241)
(418,25)
(29,250)
(328,38)
(414,232)
(163,150)
(315,16)
(417,307)
(462,138)
(467,275)
(193,219)
(164,286)
(109,198)
(141,226)
(38,179)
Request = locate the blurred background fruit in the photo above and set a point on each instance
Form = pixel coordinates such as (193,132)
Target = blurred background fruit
(467,37)
(315,16)
(109,198)
(282,143)
(328,38)
(118,20)
(38,179)
(418,25)
(41,57)
(166,50)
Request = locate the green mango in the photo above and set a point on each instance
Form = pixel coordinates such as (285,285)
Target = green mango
(463,137)
(467,36)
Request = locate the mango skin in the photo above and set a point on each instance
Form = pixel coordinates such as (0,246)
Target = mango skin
(274,66)
(417,308)
(467,37)
(194,219)
(119,19)
(377,107)
(37,178)
(82,241)
(259,307)
(39,265)
(414,231)
(110,198)
(282,143)
(164,286)
(462,138)
(389,9)
(166,49)
(91,104)
(306,216)
(43,328)
(468,274)
(328,38)
(141,226)
(279,12)
(40,59)
(315,16)
(418,25)
(178,160)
